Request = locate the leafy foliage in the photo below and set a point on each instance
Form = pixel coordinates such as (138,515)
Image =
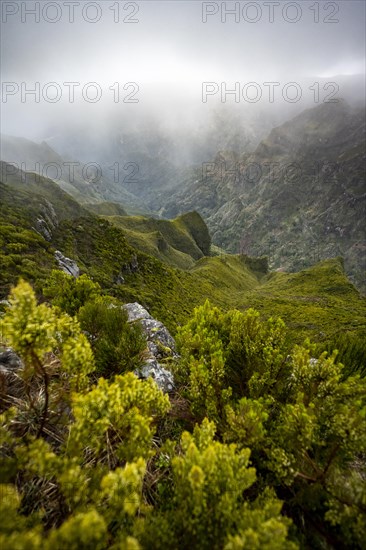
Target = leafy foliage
(118,345)
(38,333)
(70,293)
(230,353)
(85,485)
(302,417)
(208,507)
(351,349)
(92,466)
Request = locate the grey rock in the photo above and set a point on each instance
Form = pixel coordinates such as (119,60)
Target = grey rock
(158,334)
(152,369)
(67,265)
(42,228)
(47,222)
(120,280)
(136,312)
(132,266)
(11,384)
(160,346)
(49,213)
(4,304)
(9,360)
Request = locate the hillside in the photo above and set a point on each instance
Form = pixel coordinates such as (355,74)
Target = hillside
(121,347)
(182,275)
(106,208)
(299,198)
(318,302)
(87,184)
(177,242)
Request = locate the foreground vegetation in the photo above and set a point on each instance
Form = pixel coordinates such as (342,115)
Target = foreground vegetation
(262,445)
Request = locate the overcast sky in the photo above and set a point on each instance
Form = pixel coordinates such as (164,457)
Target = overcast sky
(170,47)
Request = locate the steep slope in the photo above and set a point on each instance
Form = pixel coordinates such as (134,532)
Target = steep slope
(40,192)
(86,183)
(177,242)
(106,208)
(23,251)
(318,302)
(298,199)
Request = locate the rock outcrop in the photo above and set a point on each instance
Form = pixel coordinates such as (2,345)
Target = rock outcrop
(11,385)
(67,265)
(160,347)
(47,222)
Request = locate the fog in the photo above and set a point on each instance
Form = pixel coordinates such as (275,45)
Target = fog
(173,69)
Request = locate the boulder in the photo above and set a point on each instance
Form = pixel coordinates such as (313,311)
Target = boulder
(47,221)
(119,280)
(160,347)
(132,266)
(153,369)
(67,265)
(136,312)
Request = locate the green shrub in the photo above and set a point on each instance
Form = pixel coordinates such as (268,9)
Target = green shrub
(91,467)
(351,349)
(208,508)
(117,344)
(85,485)
(70,293)
(232,353)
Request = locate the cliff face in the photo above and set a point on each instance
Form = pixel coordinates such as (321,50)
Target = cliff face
(299,198)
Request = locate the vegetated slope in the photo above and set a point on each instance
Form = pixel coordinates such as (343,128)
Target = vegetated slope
(299,198)
(177,242)
(170,294)
(23,251)
(106,208)
(31,208)
(318,302)
(32,228)
(40,193)
(85,183)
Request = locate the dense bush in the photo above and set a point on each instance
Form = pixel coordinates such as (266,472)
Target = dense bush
(351,349)
(70,293)
(208,508)
(83,483)
(274,459)
(302,417)
(118,345)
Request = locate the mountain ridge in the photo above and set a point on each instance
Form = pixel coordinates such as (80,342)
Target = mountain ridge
(323,303)
(302,197)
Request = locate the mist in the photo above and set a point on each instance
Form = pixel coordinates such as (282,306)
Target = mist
(82,76)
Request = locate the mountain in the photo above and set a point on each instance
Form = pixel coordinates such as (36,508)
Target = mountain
(106,208)
(37,218)
(178,242)
(298,198)
(38,193)
(152,152)
(87,182)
